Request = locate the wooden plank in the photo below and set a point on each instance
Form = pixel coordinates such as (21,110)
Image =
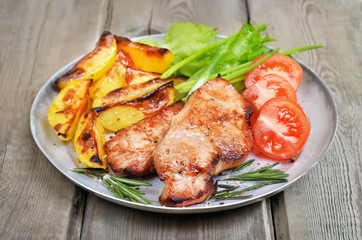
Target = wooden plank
(326,203)
(39,37)
(226,16)
(128,18)
(107,220)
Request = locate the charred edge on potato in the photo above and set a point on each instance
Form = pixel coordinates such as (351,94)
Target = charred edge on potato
(75,73)
(115,93)
(151,50)
(103,41)
(95,158)
(137,100)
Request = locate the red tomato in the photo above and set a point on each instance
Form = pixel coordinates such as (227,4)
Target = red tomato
(281,129)
(254,116)
(279,64)
(269,87)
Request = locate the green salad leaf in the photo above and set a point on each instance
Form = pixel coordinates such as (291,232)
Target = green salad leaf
(200,58)
(184,39)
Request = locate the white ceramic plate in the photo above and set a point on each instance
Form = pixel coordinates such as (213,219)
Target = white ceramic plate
(313,95)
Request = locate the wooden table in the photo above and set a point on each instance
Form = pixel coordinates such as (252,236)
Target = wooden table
(40,36)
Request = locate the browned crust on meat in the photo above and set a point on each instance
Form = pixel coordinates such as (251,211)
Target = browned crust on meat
(130,150)
(209,135)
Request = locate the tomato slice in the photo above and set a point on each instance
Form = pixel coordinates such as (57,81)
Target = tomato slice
(269,87)
(278,64)
(254,116)
(281,129)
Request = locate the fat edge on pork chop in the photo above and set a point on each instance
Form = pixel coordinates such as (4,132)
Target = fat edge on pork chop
(210,134)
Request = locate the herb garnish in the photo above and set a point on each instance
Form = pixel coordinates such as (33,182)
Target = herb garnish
(120,187)
(266,175)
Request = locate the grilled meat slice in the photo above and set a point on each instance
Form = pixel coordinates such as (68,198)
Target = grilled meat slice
(210,134)
(130,150)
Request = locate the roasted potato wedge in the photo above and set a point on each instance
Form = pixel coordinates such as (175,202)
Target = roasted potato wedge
(125,114)
(67,107)
(129,92)
(89,140)
(113,79)
(146,58)
(135,76)
(94,64)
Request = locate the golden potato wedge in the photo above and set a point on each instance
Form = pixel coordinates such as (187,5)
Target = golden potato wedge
(113,79)
(127,113)
(67,107)
(146,58)
(129,92)
(89,141)
(135,76)
(94,64)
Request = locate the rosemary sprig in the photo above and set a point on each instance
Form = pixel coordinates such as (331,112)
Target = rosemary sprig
(266,174)
(120,187)
(262,174)
(242,166)
(226,194)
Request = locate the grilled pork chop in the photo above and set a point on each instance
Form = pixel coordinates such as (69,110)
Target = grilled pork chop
(130,150)
(210,134)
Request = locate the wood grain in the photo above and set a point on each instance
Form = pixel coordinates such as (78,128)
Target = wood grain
(37,201)
(110,221)
(40,36)
(226,16)
(331,193)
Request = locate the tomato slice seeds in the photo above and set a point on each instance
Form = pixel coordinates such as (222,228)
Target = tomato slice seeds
(281,129)
(269,87)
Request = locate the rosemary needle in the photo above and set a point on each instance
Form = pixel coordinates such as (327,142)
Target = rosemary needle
(265,174)
(226,194)
(242,166)
(120,187)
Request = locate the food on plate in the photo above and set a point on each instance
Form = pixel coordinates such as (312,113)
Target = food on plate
(131,86)
(67,107)
(279,64)
(279,125)
(268,87)
(135,76)
(130,150)
(94,64)
(130,92)
(113,79)
(89,140)
(126,113)
(210,134)
(145,58)
(281,129)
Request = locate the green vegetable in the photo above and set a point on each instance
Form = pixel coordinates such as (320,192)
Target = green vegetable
(225,54)
(184,39)
(265,175)
(199,58)
(262,174)
(120,187)
(149,41)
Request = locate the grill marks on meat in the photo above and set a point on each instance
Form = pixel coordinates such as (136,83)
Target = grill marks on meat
(209,135)
(130,150)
